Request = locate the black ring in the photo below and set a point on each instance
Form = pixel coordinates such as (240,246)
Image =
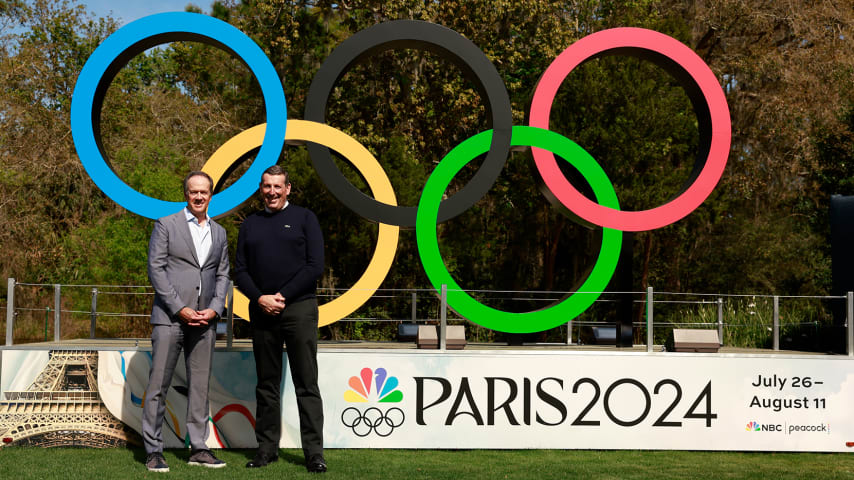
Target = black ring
(356,422)
(377,421)
(390,422)
(373,426)
(449,45)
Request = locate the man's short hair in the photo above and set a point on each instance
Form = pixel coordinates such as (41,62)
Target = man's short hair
(277,170)
(198,174)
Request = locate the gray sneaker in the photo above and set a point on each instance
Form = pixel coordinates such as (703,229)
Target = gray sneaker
(205,458)
(155,462)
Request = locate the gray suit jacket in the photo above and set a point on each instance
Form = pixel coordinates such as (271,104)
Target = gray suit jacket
(175,273)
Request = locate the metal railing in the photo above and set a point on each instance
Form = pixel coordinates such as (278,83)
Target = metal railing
(64,396)
(647,303)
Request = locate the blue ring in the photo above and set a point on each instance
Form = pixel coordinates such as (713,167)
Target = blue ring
(134,38)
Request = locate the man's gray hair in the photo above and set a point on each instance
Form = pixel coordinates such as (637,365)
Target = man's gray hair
(198,174)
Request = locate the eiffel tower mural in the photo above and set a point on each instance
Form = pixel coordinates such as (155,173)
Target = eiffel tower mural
(62,408)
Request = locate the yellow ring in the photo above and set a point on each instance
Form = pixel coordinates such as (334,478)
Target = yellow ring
(371,170)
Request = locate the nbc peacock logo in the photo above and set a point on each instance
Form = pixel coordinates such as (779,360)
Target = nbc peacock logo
(753,427)
(373,386)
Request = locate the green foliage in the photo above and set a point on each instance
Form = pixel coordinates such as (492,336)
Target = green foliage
(762,230)
(832,172)
(156,170)
(805,324)
(121,244)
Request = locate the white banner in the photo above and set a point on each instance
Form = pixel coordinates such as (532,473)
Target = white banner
(591,400)
(517,399)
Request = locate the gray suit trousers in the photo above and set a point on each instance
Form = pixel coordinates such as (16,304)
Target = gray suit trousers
(167,341)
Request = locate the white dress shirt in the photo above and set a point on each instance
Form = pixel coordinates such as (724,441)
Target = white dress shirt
(201,235)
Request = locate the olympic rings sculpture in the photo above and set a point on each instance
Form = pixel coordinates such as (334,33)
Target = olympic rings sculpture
(372,420)
(698,81)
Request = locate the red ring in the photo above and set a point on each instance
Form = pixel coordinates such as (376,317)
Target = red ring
(721,126)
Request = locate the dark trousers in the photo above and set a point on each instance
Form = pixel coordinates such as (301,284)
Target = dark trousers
(296,327)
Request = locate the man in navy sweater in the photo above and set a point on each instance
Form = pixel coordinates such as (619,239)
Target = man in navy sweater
(279,259)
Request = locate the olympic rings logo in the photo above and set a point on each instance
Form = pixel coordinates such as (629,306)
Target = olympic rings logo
(696,78)
(372,420)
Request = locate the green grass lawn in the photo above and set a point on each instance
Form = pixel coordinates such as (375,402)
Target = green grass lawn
(67,463)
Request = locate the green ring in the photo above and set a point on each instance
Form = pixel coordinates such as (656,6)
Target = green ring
(462,302)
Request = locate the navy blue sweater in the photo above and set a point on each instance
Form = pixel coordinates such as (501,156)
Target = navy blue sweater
(279,252)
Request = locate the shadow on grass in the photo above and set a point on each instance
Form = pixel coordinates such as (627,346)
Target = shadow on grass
(138,454)
(291,457)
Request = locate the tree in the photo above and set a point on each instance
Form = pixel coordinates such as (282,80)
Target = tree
(781,66)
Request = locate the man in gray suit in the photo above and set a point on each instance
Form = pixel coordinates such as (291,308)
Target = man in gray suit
(188,268)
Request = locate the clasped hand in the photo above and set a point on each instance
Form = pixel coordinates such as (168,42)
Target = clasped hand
(196,318)
(272,304)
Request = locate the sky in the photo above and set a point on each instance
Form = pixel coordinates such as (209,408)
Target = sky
(127,11)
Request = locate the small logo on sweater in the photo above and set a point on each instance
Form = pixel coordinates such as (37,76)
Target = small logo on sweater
(287,226)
